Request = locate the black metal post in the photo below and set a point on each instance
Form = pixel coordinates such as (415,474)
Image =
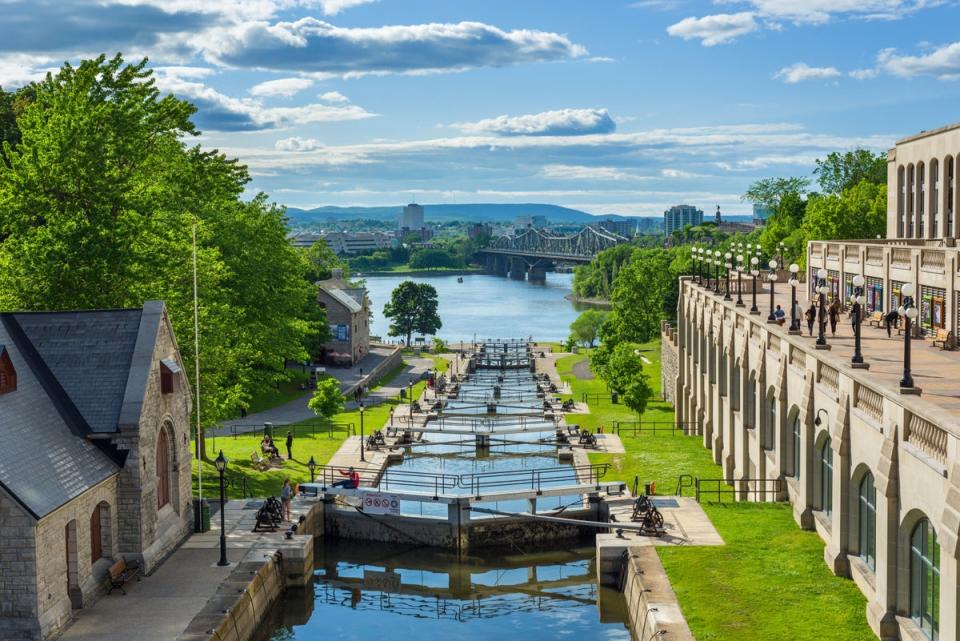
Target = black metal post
(753,308)
(822,316)
(716,280)
(223,513)
(362,457)
(726,289)
(857,313)
(739,286)
(771,317)
(907,380)
(794,319)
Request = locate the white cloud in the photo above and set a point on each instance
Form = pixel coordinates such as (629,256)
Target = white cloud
(19,69)
(582,172)
(333,7)
(309,45)
(561,122)
(285,87)
(679,173)
(801,71)
(333,96)
(184,71)
(296,143)
(821,11)
(863,74)
(943,62)
(716,29)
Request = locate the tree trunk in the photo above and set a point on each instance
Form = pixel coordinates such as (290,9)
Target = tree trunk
(408,338)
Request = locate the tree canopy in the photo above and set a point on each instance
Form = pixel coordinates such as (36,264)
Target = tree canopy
(327,400)
(412,308)
(585,328)
(768,192)
(623,373)
(841,171)
(99,197)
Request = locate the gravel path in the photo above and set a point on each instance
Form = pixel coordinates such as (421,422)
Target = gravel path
(582,370)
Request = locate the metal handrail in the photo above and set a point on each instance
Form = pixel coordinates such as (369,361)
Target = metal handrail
(762,487)
(632,428)
(479,481)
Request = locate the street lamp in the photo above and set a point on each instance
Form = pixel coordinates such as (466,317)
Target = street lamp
(772,277)
(909,312)
(700,265)
(857,299)
(410,398)
(716,280)
(729,266)
(709,261)
(794,318)
(693,263)
(312,466)
(739,275)
(221,463)
(822,300)
(361,433)
(754,272)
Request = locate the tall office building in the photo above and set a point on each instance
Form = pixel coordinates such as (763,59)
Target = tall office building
(411,217)
(679,216)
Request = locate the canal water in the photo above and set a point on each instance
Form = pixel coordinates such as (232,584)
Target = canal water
(486,305)
(369,590)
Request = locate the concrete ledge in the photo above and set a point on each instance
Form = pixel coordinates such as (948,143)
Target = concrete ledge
(652,605)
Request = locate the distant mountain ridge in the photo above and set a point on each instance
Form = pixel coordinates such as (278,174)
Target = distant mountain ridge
(479,212)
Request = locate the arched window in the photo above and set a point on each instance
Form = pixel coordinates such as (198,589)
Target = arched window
(724,374)
(796,446)
(921,198)
(96,536)
(750,416)
(163,469)
(735,387)
(911,199)
(925,578)
(770,428)
(901,196)
(948,178)
(826,478)
(934,197)
(867,519)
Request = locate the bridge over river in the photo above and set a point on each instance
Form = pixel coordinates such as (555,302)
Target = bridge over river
(533,252)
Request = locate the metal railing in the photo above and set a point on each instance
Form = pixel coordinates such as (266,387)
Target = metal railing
(683,482)
(596,397)
(389,478)
(303,428)
(635,428)
(737,489)
(535,479)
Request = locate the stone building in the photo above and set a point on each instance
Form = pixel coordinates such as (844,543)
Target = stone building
(872,467)
(348,314)
(95,462)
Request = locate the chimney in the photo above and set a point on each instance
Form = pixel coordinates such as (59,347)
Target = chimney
(336,273)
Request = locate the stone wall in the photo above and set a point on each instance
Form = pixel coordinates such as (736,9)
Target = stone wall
(652,606)
(669,363)
(67,577)
(18,584)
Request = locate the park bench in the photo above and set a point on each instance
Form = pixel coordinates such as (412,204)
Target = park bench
(876,319)
(120,573)
(944,338)
(259,462)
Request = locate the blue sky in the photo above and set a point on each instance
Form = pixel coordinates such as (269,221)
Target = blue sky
(611,106)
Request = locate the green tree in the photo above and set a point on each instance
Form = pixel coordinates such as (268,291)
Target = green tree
(768,192)
(841,171)
(623,373)
(412,308)
(322,260)
(433,258)
(585,328)
(327,401)
(646,290)
(857,212)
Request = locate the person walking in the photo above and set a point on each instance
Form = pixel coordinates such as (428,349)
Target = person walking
(890,320)
(834,316)
(289,446)
(811,316)
(286,495)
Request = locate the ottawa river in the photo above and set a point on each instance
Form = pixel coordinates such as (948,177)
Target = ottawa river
(491,306)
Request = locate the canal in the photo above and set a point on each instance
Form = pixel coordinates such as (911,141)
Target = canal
(487,305)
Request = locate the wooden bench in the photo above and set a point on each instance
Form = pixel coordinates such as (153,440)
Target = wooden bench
(120,573)
(876,319)
(944,338)
(259,462)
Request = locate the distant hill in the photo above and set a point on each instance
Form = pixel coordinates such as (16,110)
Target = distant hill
(480,213)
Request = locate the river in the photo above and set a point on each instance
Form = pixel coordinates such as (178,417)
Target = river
(490,305)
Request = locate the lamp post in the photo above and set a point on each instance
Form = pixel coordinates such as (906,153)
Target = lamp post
(857,299)
(754,272)
(312,466)
(700,265)
(822,316)
(772,277)
(794,318)
(781,250)
(693,262)
(410,398)
(729,266)
(739,281)
(909,312)
(708,262)
(716,280)
(221,463)
(361,433)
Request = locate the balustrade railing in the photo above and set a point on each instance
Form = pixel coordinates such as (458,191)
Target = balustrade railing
(931,439)
(868,401)
(932,259)
(829,377)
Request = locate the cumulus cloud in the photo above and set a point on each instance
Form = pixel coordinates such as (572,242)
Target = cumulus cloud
(333,7)
(716,29)
(801,71)
(285,87)
(309,45)
(943,62)
(296,143)
(333,96)
(863,74)
(582,172)
(219,112)
(562,122)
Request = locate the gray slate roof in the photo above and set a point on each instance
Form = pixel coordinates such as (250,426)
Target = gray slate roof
(43,462)
(344,299)
(89,353)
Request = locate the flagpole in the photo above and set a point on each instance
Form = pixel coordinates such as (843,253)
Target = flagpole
(196,362)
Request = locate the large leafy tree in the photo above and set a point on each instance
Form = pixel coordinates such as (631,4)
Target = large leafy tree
(412,308)
(585,328)
(327,400)
(99,200)
(840,171)
(769,192)
(859,211)
(323,260)
(623,373)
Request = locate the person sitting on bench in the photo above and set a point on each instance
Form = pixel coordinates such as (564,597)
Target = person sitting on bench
(352,481)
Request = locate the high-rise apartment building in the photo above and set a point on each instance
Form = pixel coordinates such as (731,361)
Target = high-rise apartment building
(679,216)
(411,217)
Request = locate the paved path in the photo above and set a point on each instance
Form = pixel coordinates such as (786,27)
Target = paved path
(581,369)
(296,410)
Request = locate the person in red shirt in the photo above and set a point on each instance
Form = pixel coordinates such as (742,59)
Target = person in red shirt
(352,481)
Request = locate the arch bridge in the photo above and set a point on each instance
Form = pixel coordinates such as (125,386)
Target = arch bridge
(534,251)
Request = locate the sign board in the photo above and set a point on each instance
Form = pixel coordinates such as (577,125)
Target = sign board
(381,581)
(379,503)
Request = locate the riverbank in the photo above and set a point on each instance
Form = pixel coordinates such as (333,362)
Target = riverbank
(593,302)
(402,270)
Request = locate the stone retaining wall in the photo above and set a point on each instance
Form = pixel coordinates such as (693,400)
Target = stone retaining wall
(652,606)
(669,363)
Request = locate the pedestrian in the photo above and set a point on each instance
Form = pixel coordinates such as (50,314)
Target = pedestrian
(286,495)
(600,429)
(289,446)
(243,412)
(811,316)
(391,417)
(780,315)
(890,319)
(834,315)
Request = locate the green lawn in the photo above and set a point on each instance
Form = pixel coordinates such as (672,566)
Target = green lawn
(769,582)
(273,397)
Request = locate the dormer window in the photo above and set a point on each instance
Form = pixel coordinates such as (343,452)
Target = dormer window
(169,375)
(8,375)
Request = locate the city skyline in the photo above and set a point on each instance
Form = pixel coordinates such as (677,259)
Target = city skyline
(614,108)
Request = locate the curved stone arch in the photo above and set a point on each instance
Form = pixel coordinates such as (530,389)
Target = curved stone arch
(102,515)
(860,473)
(166,478)
(908,522)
